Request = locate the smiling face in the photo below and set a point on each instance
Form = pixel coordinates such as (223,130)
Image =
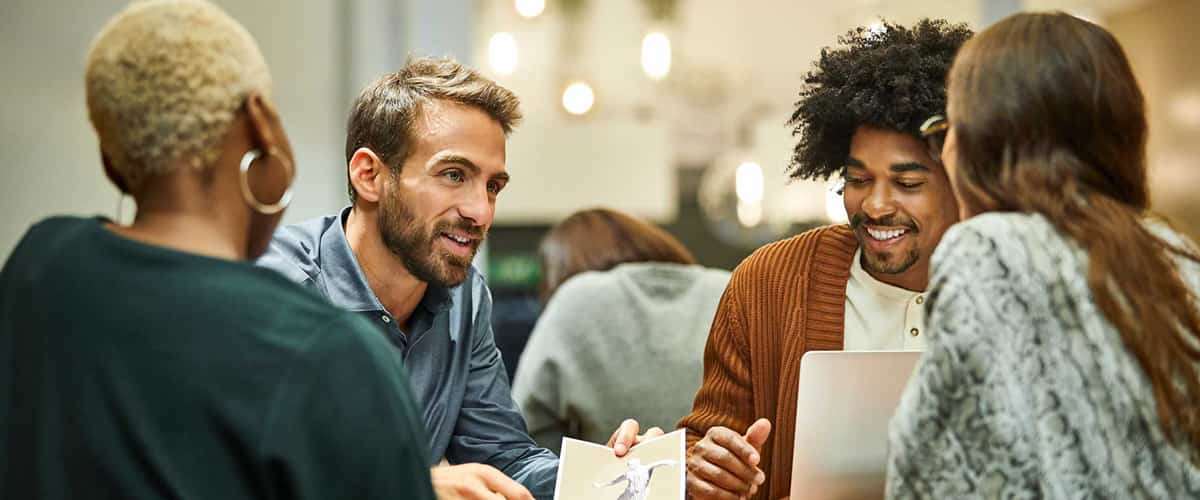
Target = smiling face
(437,209)
(899,202)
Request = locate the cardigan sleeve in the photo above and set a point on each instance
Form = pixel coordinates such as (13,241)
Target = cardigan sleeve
(725,397)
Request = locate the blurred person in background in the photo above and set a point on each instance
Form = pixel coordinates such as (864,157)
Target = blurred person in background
(153,360)
(841,287)
(1064,342)
(425,163)
(627,314)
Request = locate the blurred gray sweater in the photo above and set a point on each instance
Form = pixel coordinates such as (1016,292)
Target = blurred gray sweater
(624,343)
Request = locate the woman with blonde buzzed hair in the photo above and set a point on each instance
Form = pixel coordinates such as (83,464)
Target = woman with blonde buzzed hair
(153,360)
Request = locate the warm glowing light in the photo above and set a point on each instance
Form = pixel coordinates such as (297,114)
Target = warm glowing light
(578,98)
(749,214)
(748,182)
(530,8)
(656,55)
(502,53)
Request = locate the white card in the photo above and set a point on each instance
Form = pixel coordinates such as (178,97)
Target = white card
(652,470)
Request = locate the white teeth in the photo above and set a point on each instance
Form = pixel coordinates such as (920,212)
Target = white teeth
(886,235)
(463,241)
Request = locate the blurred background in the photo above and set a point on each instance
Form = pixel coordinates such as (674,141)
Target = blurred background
(672,110)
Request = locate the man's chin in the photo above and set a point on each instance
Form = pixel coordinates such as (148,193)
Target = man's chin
(453,272)
(885,263)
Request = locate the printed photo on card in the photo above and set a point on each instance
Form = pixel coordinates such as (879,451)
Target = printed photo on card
(652,470)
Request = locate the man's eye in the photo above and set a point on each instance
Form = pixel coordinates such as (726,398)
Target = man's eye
(910,185)
(493,187)
(855,180)
(454,176)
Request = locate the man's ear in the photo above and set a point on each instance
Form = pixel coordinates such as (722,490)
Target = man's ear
(260,119)
(367,174)
(112,174)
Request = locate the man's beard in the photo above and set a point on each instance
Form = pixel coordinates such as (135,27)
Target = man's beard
(406,238)
(886,262)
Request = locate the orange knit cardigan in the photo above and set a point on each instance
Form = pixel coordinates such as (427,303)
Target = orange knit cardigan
(785,299)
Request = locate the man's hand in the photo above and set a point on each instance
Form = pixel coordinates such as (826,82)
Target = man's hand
(626,436)
(475,482)
(724,465)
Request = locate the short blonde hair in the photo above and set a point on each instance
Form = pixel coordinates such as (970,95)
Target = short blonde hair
(165,79)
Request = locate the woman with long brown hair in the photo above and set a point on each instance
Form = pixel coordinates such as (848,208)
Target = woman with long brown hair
(1065,340)
(623,331)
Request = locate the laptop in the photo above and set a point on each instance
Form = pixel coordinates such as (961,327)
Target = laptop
(845,401)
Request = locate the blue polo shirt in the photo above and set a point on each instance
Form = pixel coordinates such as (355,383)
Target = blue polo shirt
(449,351)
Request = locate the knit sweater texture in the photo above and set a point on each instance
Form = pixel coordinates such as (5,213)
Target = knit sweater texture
(617,344)
(785,299)
(1026,389)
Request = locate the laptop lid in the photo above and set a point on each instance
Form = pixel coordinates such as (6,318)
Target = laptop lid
(843,406)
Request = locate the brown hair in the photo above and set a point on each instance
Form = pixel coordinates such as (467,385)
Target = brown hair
(597,240)
(1048,118)
(381,117)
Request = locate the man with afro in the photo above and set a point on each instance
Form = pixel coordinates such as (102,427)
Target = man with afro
(856,286)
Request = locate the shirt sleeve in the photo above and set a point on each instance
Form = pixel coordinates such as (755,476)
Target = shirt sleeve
(958,423)
(344,422)
(725,397)
(490,428)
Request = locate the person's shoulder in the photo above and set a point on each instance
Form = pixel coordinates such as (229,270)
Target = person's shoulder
(341,332)
(833,245)
(1014,245)
(713,275)
(295,248)
(266,292)
(989,235)
(52,236)
(58,228)
(1001,225)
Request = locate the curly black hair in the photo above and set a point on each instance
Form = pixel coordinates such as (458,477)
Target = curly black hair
(894,77)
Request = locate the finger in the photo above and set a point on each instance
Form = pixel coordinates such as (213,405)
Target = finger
(732,452)
(624,437)
(730,462)
(700,489)
(498,482)
(757,434)
(651,433)
(716,476)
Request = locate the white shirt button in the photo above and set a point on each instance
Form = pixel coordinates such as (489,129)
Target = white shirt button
(920,299)
(914,332)
(385,319)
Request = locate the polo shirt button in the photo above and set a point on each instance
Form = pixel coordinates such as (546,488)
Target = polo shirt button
(914,332)
(385,319)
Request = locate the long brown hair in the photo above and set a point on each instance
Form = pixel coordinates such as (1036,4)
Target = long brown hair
(597,240)
(1048,118)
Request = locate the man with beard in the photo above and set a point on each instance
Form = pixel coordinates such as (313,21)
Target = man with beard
(425,150)
(853,287)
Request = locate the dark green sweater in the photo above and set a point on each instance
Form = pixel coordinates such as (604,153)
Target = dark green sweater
(134,371)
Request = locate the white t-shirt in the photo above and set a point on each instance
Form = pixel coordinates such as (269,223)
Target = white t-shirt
(881,317)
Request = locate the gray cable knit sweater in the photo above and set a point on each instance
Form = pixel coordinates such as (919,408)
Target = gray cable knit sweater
(1026,390)
(624,343)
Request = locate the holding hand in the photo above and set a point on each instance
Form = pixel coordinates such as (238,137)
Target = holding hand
(626,436)
(724,465)
(475,482)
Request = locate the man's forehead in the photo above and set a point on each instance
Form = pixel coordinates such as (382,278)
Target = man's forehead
(450,132)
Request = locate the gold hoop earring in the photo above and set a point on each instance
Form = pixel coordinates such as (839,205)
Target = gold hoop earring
(248,159)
